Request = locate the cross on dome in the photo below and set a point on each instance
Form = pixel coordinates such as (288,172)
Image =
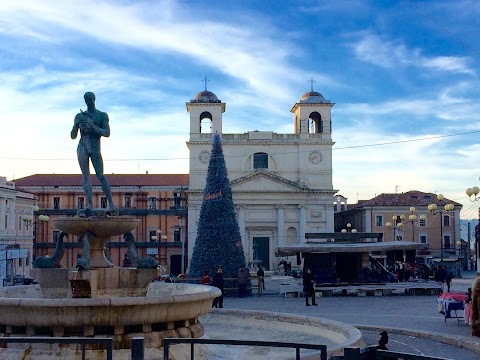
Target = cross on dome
(311,81)
(206,80)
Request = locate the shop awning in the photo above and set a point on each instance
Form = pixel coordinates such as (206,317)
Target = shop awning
(354,247)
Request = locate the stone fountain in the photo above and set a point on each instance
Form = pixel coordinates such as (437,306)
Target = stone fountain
(97,299)
(107,301)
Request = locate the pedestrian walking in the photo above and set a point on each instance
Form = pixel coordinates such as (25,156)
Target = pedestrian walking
(441,274)
(448,279)
(261,280)
(242,278)
(308,287)
(218,282)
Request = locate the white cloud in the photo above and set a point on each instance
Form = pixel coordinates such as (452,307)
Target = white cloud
(140,57)
(389,54)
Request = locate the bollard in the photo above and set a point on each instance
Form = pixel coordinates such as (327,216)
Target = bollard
(138,348)
(351,353)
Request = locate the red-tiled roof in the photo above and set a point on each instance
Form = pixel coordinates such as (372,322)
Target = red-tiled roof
(409,198)
(113,179)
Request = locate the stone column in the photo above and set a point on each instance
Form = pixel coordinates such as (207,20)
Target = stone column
(329,219)
(280,225)
(2,213)
(368,224)
(302,224)
(13,215)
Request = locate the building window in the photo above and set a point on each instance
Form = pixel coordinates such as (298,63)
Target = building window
(55,235)
(399,237)
(176,235)
(335,207)
(446,242)
(206,122)
(20,262)
(177,200)
(379,220)
(152,203)
(56,202)
(446,220)
(80,202)
(20,223)
(103,202)
(423,239)
(6,221)
(260,161)
(128,200)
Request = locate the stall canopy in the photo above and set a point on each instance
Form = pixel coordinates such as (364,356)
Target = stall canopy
(344,243)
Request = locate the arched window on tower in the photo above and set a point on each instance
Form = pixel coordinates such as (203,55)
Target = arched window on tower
(315,125)
(260,160)
(206,123)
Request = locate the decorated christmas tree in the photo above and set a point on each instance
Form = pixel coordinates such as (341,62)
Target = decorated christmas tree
(218,240)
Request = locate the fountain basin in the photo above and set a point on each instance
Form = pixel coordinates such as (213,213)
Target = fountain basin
(167,310)
(269,326)
(102,229)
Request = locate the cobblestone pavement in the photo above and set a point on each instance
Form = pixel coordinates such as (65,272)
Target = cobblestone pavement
(401,312)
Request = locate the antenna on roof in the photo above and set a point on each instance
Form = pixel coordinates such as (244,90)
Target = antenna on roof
(396,188)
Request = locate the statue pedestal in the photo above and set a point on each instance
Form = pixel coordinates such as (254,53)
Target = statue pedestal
(53,282)
(111,282)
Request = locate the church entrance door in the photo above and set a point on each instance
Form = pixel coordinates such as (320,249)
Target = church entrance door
(262,251)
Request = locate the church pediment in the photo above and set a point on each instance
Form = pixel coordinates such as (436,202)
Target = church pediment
(266,181)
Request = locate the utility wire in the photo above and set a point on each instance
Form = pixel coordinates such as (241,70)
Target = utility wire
(442,27)
(276,153)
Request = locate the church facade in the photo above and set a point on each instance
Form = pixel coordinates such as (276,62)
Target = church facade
(281,183)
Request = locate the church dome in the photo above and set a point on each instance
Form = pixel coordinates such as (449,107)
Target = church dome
(206,96)
(313,97)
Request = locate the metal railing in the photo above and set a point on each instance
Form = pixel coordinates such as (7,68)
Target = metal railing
(175,341)
(372,353)
(108,342)
(393,355)
(138,346)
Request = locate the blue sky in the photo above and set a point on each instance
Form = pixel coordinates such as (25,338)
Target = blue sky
(402,73)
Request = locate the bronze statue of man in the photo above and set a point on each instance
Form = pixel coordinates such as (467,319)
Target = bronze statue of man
(93,124)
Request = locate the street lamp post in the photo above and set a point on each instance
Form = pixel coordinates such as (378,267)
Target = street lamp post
(395,225)
(474,191)
(459,244)
(181,227)
(413,218)
(467,253)
(433,210)
(349,229)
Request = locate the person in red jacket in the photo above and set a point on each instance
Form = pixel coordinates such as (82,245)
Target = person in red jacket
(205,278)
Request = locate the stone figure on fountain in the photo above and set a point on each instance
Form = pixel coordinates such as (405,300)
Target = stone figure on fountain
(47,262)
(93,124)
(137,261)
